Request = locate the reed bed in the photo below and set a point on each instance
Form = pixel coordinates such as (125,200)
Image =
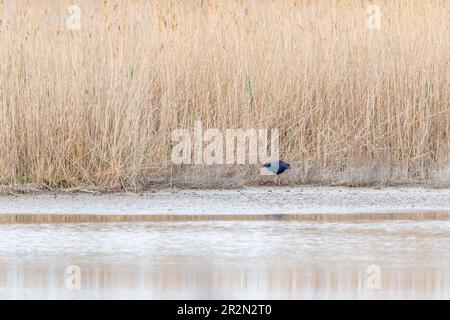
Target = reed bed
(96,106)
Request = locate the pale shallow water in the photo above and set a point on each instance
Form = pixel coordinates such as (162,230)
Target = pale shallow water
(226,260)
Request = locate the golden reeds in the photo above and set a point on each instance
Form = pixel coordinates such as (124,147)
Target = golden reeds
(96,106)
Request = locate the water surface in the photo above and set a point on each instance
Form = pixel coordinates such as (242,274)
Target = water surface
(227,260)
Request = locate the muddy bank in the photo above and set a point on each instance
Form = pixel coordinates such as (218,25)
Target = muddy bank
(305,173)
(247,201)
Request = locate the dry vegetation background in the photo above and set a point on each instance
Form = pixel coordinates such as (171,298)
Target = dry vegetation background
(96,107)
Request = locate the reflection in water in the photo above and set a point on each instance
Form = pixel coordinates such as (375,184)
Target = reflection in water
(228,259)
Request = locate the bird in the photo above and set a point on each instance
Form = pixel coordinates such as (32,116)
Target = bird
(277,167)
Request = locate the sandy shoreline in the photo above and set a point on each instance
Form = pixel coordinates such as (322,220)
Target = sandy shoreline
(247,201)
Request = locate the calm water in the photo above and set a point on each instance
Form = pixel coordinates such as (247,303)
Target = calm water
(231,259)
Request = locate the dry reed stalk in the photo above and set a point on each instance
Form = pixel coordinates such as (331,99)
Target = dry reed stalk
(97,106)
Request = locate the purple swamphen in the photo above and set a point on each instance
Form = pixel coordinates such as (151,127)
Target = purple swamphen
(277,167)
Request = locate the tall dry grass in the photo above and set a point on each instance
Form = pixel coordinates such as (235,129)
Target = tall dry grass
(97,106)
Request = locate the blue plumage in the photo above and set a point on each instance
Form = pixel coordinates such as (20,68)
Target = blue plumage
(277,167)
